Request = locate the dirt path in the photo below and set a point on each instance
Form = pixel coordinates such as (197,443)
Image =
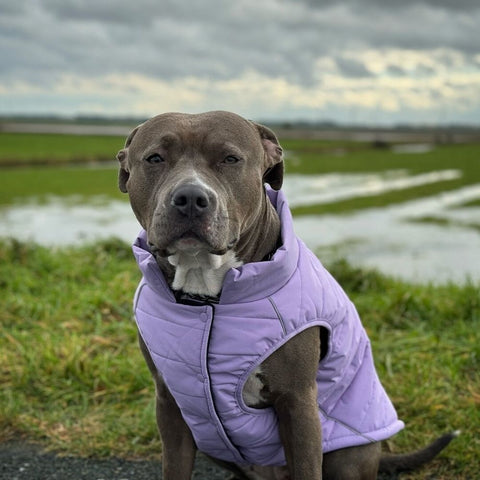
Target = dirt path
(19,461)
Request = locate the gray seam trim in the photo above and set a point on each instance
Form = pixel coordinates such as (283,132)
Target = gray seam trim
(270,299)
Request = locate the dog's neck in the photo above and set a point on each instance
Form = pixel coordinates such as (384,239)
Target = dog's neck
(202,273)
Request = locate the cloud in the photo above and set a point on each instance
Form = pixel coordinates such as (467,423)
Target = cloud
(350,67)
(284,57)
(394,5)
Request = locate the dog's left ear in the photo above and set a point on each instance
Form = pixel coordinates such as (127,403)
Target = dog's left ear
(274,167)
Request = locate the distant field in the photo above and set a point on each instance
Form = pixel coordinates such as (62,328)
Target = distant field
(34,179)
(26,183)
(17,149)
(29,148)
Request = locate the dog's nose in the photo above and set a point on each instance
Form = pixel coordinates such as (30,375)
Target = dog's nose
(190,200)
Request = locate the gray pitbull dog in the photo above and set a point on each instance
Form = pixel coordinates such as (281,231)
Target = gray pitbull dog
(196,185)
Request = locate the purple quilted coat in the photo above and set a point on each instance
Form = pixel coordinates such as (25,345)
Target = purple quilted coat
(206,353)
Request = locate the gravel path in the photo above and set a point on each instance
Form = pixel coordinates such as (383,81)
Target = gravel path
(19,461)
(23,461)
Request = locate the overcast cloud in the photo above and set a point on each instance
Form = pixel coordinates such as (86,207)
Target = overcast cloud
(375,61)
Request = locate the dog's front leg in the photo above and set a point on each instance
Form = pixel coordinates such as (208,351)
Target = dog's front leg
(291,380)
(301,435)
(178,452)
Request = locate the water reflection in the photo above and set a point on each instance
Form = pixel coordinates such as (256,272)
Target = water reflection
(334,187)
(384,238)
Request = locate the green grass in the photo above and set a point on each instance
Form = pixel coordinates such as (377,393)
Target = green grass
(472,203)
(461,156)
(22,184)
(303,156)
(445,222)
(48,164)
(73,377)
(30,148)
(72,374)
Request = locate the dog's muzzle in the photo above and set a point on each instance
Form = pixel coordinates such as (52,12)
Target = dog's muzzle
(190,219)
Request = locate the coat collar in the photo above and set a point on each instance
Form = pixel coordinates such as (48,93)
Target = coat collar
(247,283)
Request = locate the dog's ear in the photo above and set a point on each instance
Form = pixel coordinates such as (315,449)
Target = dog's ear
(274,167)
(122,157)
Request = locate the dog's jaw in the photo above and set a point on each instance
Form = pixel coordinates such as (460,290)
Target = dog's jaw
(200,272)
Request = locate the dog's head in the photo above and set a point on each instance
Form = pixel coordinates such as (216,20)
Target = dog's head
(196,181)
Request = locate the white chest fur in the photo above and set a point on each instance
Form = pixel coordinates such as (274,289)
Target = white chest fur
(200,272)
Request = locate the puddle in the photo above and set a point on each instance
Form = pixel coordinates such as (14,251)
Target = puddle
(63,221)
(382,238)
(333,187)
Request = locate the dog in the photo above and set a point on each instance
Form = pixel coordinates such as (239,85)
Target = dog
(258,357)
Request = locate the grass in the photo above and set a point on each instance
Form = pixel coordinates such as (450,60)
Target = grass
(303,156)
(472,203)
(41,165)
(71,372)
(73,378)
(445,222)
(17,149)
(21,184)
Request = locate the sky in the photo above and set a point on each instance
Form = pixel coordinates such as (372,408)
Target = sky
(380,62)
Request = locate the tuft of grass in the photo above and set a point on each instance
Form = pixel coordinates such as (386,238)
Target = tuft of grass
(73,377)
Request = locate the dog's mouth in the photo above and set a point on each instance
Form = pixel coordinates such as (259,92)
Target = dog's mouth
(191,243)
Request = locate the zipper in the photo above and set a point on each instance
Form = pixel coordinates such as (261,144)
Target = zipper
(229,445)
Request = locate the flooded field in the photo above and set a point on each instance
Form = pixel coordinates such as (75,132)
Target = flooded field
(431,239)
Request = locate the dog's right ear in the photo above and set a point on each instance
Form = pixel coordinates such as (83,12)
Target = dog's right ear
(122,157)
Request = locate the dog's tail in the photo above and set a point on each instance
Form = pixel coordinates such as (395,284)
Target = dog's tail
(411,461)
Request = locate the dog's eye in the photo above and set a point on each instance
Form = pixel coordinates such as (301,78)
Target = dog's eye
(155,158)
(231,159)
